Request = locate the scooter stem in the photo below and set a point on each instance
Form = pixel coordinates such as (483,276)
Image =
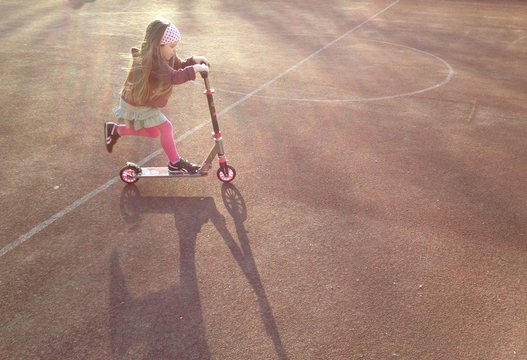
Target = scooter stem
(210,100)
(205,76)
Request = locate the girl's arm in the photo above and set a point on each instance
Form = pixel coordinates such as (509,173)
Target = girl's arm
(165,73)
(187,62)
(193,60)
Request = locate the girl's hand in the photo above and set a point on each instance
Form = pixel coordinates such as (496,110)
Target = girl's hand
(201,60)
(200,68)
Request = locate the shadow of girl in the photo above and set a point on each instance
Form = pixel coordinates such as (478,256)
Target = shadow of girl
(166,324)
(169,324)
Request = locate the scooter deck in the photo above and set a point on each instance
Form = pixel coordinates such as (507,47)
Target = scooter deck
(163,172)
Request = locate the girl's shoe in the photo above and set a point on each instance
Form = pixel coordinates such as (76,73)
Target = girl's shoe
(182,166)
(111,135)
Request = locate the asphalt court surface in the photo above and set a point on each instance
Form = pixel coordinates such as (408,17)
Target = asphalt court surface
(379,210)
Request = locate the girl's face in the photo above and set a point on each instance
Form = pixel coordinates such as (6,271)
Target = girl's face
(168,50)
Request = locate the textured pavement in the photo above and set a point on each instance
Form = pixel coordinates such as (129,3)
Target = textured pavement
(379,211)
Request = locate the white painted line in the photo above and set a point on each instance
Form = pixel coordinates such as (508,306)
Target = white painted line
(55,217)
(447,78)
(22,239)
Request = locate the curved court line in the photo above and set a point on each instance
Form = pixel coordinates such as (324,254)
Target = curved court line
(38,228)
(449,77)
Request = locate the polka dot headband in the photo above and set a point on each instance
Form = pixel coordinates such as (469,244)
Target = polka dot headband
(171,35)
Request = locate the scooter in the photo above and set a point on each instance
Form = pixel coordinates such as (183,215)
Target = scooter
(132,172)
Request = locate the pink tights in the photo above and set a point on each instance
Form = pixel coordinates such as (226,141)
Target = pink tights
(164,130)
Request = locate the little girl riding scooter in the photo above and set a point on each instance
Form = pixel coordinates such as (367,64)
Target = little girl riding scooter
(154,70)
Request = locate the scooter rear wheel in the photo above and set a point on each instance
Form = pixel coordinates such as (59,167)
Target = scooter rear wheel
(129,174)
(226,175)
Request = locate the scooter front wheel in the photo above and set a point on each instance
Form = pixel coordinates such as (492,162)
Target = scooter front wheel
(129,174)
(226,174)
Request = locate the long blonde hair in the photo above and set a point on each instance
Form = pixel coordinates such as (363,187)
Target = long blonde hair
(138,87)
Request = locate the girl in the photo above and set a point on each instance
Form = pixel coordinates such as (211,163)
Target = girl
(155,69)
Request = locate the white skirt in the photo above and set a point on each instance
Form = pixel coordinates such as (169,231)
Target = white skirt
(138,117)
